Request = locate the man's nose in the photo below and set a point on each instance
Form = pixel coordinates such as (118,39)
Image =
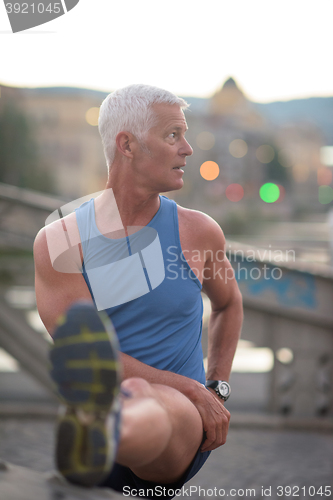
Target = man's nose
(186,149)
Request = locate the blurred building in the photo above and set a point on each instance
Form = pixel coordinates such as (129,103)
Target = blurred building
(299,147)
(64,123)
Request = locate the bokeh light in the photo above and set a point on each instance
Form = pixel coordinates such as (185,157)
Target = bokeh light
(300,172)
(326,155)
(205,140)
(325,194)
(234,192)
(92,116)
(269,192)
(238,148)
(265,153)
(285,355)
(324,176)
(209,170)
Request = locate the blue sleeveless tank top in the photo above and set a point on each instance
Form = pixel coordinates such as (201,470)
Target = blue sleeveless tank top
(161,326)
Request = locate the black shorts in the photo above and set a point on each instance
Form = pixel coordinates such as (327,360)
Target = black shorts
(122,479)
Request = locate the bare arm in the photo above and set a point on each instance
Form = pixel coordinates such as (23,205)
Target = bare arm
(135,368)
(225,321)
(55,291)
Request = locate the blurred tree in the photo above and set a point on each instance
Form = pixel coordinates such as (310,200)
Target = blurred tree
(19,156)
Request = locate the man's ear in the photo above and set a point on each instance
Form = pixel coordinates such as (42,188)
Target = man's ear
(124,142)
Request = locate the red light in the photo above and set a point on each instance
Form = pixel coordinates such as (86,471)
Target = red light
(234,192)
(282,193)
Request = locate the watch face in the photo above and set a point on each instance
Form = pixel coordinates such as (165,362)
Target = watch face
(224,389)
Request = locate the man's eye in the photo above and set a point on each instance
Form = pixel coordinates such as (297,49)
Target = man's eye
(173,135)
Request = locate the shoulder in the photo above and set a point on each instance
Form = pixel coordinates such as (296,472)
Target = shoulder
(58,269)
(54,241)
(201,226)
(53,233)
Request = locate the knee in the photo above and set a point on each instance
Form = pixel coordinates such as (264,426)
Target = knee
(138,387)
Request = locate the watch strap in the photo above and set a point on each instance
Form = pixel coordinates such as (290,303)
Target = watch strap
(212,383)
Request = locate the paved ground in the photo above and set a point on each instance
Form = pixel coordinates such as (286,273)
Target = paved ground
(251,460)
(256,459)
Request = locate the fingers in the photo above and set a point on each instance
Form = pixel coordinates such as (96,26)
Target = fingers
(226,425)
(210,440)
(217,433)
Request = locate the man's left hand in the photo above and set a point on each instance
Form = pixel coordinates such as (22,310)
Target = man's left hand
(215,418)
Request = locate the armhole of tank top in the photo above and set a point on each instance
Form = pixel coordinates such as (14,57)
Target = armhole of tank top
(177,236)
(86,279)
(82,239)
(82,253)
(158,213)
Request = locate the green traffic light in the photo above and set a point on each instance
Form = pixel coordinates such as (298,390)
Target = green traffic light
(269,192)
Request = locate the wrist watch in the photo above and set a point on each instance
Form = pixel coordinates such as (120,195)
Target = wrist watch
(221,387)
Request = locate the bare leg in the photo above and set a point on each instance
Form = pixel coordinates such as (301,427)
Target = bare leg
(161,432)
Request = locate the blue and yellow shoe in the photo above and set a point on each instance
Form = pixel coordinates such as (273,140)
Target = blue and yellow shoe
(86,370)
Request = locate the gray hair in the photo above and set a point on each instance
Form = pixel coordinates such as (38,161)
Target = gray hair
(130,109)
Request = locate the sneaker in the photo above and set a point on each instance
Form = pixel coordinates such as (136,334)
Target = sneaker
(86,370)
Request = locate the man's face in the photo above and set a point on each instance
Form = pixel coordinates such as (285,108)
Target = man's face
(160,168)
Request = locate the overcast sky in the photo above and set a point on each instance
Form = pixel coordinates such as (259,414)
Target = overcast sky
(276,50)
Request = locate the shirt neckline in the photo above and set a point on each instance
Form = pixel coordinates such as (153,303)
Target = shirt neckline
(125,237)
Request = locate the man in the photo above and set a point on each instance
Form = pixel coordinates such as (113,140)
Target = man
(170,421)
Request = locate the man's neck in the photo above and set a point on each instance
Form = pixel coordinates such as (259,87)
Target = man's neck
(136,210)
(136,205)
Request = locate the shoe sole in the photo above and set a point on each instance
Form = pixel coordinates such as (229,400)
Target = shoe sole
(86,371)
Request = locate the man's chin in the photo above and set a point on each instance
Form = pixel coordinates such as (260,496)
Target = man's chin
(177,186)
